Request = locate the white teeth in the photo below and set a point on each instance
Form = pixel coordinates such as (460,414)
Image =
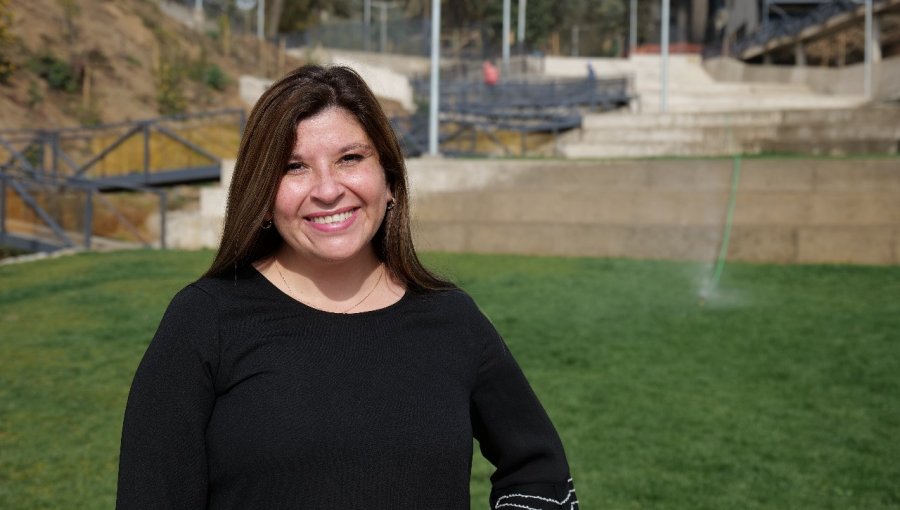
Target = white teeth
(333,218)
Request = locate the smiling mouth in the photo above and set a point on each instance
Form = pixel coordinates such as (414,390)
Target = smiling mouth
(332,218)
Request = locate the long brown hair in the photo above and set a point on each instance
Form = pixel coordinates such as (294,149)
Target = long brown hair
(264,153)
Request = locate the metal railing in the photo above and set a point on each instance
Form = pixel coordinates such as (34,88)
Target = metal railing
(81,166)
(790,26)
(474,109)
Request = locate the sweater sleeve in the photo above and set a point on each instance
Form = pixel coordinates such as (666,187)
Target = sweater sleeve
(516,435)
(162,462)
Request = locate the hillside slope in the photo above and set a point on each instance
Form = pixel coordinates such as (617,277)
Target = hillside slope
(97,61)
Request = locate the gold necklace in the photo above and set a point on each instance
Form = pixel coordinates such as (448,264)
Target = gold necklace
(295,296)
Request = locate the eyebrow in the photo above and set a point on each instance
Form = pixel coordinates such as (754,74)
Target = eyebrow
(343,150)
(355,147)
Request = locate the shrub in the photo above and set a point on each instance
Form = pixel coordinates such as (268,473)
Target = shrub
(215,78)
(58,74)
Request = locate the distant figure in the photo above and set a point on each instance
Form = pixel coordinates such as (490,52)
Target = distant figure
(592,75)
(490,72)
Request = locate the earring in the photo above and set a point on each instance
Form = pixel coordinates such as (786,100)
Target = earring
(267,225)
(390,204)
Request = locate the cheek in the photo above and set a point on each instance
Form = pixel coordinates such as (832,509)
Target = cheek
(289,196)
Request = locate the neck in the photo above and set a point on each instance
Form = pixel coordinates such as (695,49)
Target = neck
(333,286)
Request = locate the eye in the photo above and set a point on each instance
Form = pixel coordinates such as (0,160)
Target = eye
(295,168)
(351,158)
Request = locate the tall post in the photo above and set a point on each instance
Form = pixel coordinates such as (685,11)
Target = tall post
(88,218)
(505,36)
(163,207)
(520,33)
(435,77)
(2,206)
(260,19)
(632,28)
(867,71)
(367,23)
(146,133)
(575,40)
(382,43)
(664,58)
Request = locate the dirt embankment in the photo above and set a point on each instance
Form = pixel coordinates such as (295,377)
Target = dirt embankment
(98,61)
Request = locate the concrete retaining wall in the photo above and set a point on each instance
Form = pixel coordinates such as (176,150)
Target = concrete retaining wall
(787,211)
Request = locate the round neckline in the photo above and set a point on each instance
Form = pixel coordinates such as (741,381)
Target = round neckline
(285,296)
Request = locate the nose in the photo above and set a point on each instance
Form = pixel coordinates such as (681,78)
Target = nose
(328,188)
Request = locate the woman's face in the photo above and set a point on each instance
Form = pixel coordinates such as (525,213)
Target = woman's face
(333,195)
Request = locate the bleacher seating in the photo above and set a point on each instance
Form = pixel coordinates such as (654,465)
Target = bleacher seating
(516,105)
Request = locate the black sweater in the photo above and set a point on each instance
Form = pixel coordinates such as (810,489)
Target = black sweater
(247,399)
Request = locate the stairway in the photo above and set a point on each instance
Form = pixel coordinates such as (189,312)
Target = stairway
(832,132)
(709,118)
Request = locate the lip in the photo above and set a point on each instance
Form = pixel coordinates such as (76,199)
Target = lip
(332,227)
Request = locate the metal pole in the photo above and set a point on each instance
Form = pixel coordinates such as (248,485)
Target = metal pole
(867,79)
(632,30)
(2,206)
(505,35)
(435,77)
(520,35)
(664,58)
(575,41)
(146,130)
(382,42)
(367,23)
(260,19)
(163,206)
(88,218)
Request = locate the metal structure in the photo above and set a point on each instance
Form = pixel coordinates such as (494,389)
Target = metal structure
(471,109)
(81,166)
(783,33)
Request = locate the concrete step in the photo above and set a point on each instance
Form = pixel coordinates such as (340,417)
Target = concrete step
(650,102)
(825,133)
(886,116)
(636,150)
(707,135)
(679,120)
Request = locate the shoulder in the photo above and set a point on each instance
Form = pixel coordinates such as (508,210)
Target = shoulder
(450,302)
(461,310)
(190,300)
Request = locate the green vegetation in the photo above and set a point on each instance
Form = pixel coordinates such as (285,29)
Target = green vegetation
(780,391)
(170,73)
(208,73)
(7,41)
(59,74)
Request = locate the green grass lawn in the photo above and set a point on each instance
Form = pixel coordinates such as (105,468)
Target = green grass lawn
(780,391)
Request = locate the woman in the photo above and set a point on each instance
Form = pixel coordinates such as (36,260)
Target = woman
(318,364)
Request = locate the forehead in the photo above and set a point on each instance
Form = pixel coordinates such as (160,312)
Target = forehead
(329,130)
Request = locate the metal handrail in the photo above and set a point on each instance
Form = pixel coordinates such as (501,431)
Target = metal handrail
(24,171)
(787,27)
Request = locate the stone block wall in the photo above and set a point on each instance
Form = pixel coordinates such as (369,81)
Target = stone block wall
(786,210)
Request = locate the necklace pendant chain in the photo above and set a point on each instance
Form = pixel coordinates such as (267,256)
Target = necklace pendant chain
(348,310)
